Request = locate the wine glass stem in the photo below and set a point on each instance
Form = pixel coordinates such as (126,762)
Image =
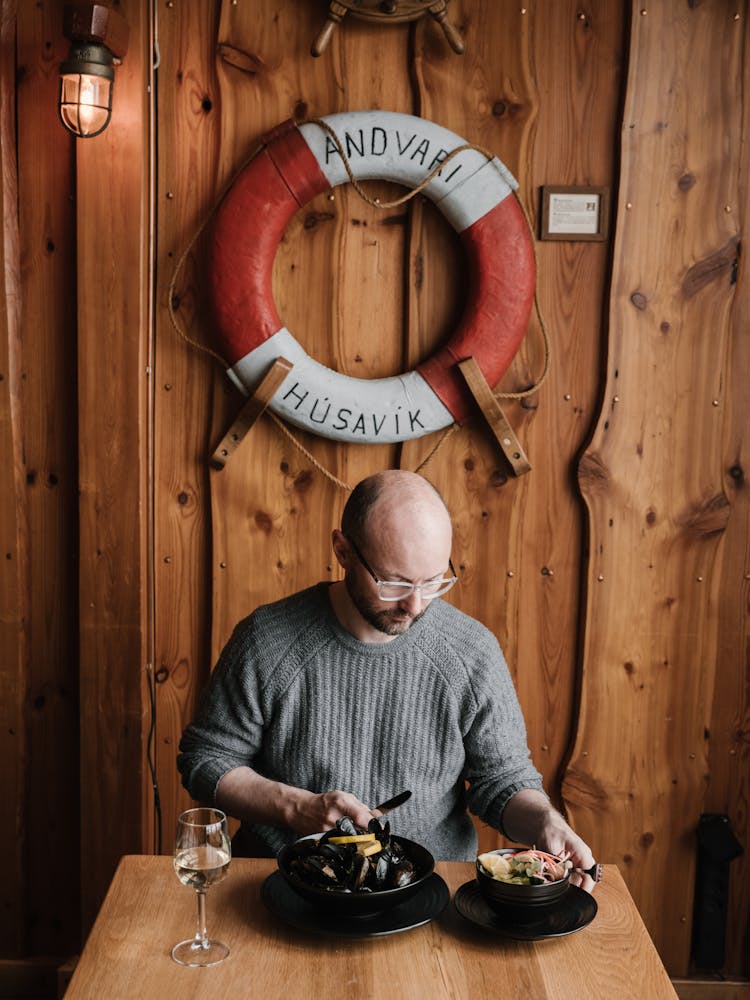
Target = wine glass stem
(201,936)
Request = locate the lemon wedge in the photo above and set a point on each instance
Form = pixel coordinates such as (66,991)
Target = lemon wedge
(495,864)
(359,838)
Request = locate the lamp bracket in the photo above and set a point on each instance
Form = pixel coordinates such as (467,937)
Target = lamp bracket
(96,22)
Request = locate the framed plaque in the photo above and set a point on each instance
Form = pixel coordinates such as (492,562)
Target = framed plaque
(574,213)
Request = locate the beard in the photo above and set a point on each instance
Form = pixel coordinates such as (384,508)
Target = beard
(389,621)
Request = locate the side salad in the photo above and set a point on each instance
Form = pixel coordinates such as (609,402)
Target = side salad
(525,867)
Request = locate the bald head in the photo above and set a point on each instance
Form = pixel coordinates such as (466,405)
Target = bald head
(397,510)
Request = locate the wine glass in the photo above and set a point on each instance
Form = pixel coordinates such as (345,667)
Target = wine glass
(202,852)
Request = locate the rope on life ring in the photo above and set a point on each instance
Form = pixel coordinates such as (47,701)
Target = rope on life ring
(475,193)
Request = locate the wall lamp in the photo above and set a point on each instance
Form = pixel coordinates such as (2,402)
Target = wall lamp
(99,40)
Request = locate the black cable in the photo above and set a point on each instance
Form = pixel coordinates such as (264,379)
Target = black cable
(150,756)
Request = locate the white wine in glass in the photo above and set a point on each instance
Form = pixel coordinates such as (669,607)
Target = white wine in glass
(202,852)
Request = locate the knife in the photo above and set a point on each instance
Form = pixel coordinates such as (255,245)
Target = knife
(397,800)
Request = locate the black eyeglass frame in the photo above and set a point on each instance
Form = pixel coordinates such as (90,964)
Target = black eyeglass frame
(449,582)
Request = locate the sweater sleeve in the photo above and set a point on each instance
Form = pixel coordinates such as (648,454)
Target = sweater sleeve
(498,763)
(227,730)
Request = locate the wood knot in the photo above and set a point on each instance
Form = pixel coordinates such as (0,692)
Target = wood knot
(639,300)
(313,218)
(246,62)
(716,265)
(264,522)
(511,108)
(578,786)
(686,182)
(418,271)
(737,473)
(303,481)
(593,474)
(707,518)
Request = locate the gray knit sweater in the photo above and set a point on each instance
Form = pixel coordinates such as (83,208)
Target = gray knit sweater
(302,701)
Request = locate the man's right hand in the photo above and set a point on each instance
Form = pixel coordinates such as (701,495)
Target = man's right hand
(244,793)
(313,813)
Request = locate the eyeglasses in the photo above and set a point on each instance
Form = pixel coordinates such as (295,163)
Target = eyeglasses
(398,590)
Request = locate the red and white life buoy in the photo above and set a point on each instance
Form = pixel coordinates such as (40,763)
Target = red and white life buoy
(474,194)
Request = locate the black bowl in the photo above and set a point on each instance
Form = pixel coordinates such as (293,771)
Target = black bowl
(359,903)
(516,901)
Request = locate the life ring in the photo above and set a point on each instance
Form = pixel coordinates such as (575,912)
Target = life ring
(474,194)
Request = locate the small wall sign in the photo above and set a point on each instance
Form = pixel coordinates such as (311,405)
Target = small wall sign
(574,213)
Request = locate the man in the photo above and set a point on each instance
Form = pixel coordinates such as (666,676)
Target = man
(337,697)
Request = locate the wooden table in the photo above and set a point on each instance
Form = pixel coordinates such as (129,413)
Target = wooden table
(147,910)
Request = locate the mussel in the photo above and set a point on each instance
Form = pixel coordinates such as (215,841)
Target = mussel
(346,867)
(393,869)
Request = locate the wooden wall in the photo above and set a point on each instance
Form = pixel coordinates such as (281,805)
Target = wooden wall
(615,574)
(39,780)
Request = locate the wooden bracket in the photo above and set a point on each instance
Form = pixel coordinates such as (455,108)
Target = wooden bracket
(494,416)
(251,410)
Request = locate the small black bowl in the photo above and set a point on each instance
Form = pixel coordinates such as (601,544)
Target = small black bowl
(358,903)
(519,902)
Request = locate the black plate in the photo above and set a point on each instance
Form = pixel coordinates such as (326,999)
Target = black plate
(575,910)
(423,906)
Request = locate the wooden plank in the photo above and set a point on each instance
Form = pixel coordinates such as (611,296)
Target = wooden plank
(113,391)
(186,379)
(575,114)
(14,567)
(457,92)
(651,477)
(48,250)
(339,265)
(541,90)
(727,740)
(574,141)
